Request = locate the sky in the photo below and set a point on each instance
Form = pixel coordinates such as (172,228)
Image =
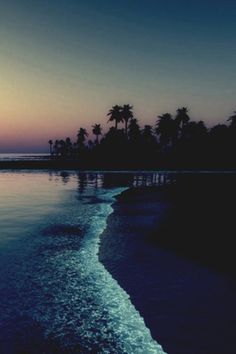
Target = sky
(65,63)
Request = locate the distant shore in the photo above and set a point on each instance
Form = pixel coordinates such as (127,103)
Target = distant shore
(38,164)
(60,164)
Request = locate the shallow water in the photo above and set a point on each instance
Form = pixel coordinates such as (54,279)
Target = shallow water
(56,297)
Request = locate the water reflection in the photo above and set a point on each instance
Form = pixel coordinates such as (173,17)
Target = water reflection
(95,180)
(106,180)
(65,176)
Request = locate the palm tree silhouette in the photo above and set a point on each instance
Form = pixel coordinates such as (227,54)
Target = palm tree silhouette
(175,141)
(90,144)
(147,130)
(195,131)
(166,129)
(56,147)
(50,142)
(115,114)
(182,117)
(127,114)
(81,137)
(233,120)
(147,135)
(97,130)
(134,130)
(68,146)
(62,147)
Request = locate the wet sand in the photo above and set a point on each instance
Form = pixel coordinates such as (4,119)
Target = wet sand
(163,246)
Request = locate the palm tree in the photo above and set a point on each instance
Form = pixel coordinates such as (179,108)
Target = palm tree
(68,146)
(56,147)
(134,130)
(90,144)
(232,135)
(147,130)
(81,137)
(195,131)
(115,114)
(166,129)
(62,147)
(147,135)
(233,120)
(182,117)
(127,114)
(50,142)
(97,130)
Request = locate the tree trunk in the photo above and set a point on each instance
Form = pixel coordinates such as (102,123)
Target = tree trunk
(126,128)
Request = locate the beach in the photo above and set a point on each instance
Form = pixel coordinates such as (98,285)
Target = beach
(170,248)
(119,262)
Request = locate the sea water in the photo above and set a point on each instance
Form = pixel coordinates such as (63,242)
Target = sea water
(23,156)
(55,295)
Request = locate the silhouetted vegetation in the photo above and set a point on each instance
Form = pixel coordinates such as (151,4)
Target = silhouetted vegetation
(174,142)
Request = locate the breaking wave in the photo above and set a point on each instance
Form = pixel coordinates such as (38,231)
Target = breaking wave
(62,299)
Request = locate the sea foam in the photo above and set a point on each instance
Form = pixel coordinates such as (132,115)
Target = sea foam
(132,335)
(60,296)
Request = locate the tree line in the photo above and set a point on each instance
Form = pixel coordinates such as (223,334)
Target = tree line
(174,142)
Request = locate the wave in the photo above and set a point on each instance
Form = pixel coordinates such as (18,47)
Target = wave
(131,333)
(61,297)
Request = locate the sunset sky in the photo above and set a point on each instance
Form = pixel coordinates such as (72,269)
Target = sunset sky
(64,63)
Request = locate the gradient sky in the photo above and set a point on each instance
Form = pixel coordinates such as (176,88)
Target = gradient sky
(64,63)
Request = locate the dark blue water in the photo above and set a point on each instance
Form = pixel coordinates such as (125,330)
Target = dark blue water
(56,297)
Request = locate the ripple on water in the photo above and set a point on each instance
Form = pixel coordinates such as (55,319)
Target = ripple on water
(64,300)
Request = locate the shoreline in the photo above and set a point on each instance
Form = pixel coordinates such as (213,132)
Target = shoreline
(48,164)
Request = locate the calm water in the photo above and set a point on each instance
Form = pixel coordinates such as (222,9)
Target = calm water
(23,156)
(56,297)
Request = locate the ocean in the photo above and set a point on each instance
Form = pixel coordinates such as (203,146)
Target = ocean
(82,273)
(23,156)
(56,296)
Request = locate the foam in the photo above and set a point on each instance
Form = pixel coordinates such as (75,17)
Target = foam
(132,335)
(61,288)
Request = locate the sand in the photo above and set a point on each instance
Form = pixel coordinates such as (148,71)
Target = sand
(153,247)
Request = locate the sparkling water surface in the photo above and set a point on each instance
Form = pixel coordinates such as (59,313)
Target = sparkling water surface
(56,297)
(23,156)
